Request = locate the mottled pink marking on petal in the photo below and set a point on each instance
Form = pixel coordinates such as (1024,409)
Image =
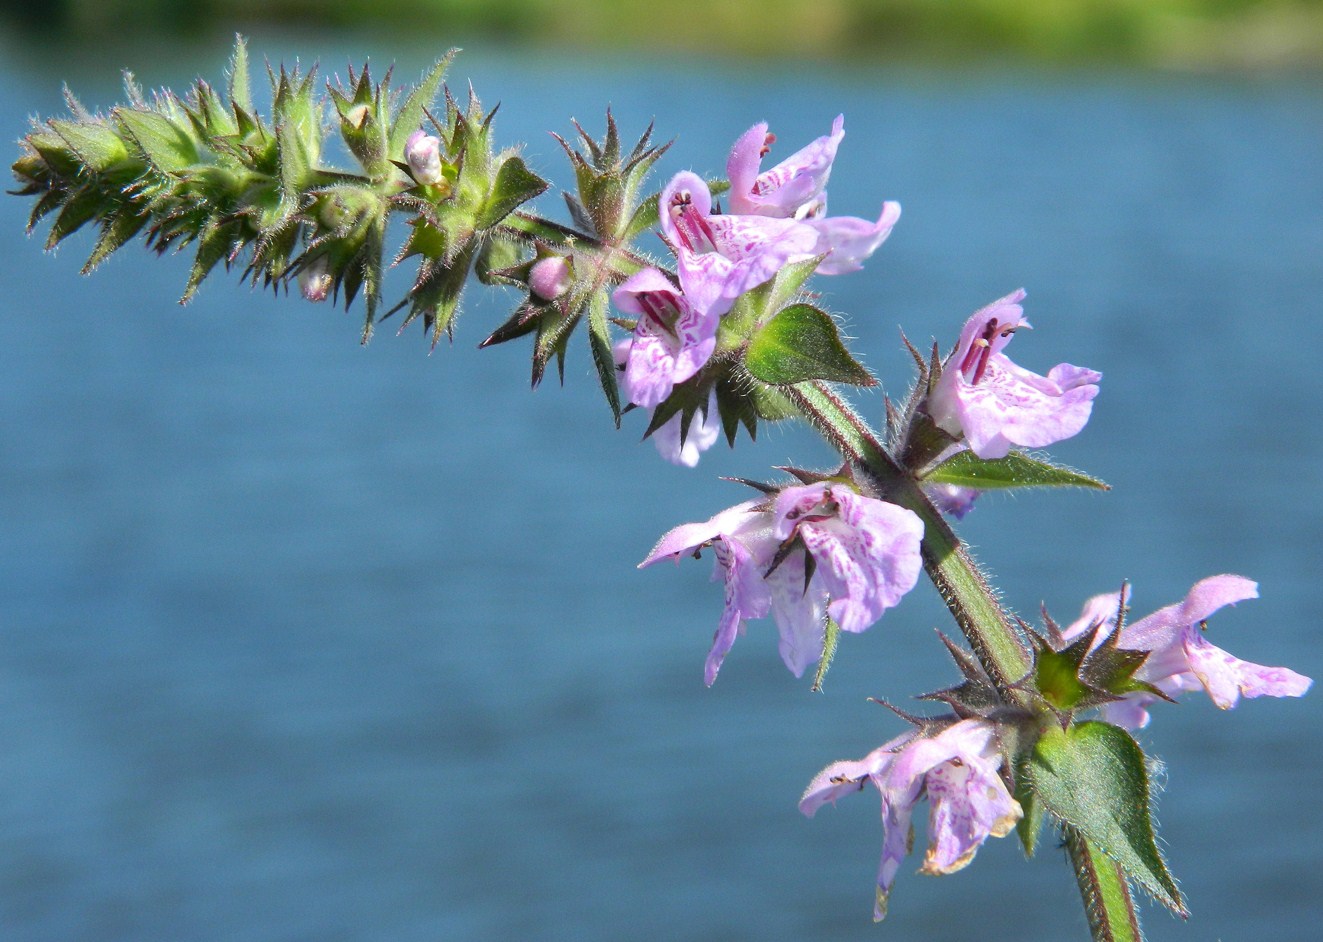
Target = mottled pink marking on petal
(786,188)
(1226,677)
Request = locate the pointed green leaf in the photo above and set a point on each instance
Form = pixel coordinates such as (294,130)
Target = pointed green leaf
(50,201)
(410,116)
(1030,825)
(165,144)
(295,162)
(117,230)
(514,184)
(240,93)
(213,245)
(1015,470)
(522,322)
(645,218)
(599,334)
(769,403)
(77,211)
(96,144)
(789,280)
(1092,777)
(369,256)
(802,343)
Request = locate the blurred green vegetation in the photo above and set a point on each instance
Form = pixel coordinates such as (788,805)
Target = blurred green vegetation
(1190,33)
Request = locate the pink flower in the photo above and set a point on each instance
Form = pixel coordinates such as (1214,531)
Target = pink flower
(997,405)
(793,189)
(957,769)
(673,337)
(316,280)
(952,499)
(865,555)
(1180,658)
(796,189)
(733,253)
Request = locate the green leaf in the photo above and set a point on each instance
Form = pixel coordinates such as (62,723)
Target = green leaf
(802,343)
(1092,777)
(96,144)
(116,230)
(1015,470)
(78,210)
(645,218)
(410,116)
(239,88)
(214,244)
(789,280)
(599,334)
(165,144)
(1030,825)
(295,161)
(514,184)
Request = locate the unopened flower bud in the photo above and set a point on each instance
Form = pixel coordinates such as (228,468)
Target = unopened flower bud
(423,154)
(357,115)
(550,277)
(315,280)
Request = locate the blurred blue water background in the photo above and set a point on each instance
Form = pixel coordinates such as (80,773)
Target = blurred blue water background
(302,640)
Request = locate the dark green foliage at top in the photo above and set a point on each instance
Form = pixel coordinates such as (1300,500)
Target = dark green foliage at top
(205,170)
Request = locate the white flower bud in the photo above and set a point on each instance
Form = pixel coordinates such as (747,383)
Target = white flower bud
(315,281)
(423,154)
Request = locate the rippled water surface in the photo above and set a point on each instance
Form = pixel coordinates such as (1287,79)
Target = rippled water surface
(302,640)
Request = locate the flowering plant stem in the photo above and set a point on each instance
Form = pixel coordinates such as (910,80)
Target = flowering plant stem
(1107,901)
(989,629)
(726,337)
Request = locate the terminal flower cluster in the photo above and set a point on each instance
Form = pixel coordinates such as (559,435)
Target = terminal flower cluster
(826,553)
(777,218)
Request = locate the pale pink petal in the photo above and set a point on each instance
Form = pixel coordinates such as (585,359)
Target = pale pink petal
(850,240)
(792,183)
(1226,677)
(800,615)
(688,537)
(685,448)
(848,775)
(968,802)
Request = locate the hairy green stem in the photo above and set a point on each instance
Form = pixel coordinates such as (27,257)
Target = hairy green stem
(1107,901)
(991,632)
